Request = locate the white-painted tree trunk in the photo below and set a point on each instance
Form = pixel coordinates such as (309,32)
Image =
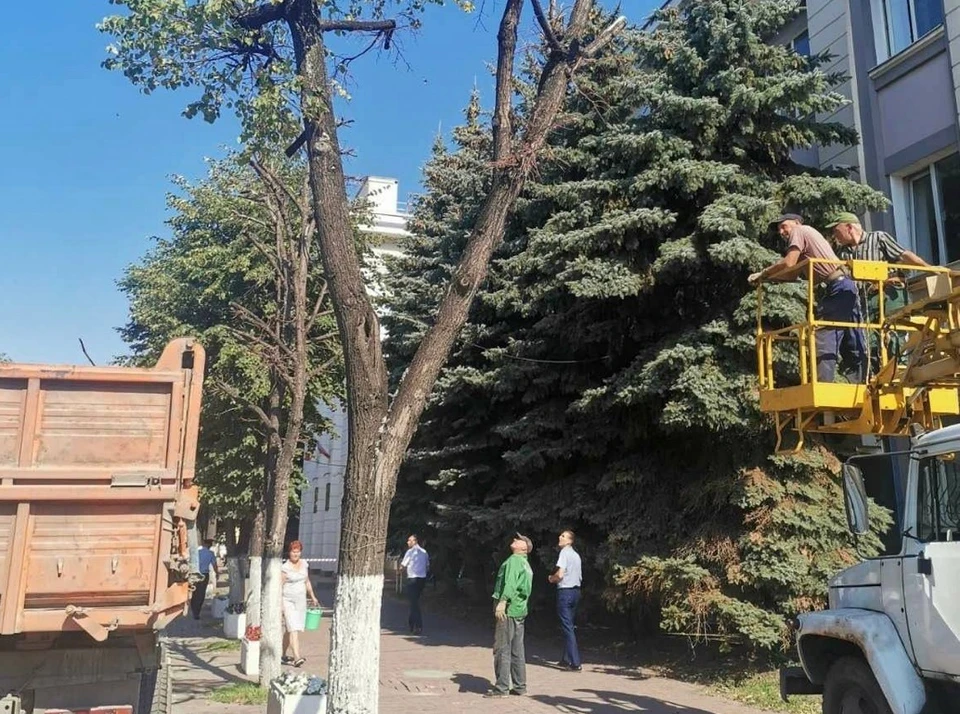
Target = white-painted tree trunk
(254,592)
(355,645)
(271,638)
(235,574)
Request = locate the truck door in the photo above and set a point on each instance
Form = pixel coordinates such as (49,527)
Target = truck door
(931,580)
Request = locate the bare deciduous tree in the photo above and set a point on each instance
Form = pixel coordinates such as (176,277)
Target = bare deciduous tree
(246,45)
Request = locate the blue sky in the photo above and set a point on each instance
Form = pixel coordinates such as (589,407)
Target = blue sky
(87,158)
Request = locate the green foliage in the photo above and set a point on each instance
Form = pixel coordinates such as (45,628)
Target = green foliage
(606,379)
(216,49)
(216,264)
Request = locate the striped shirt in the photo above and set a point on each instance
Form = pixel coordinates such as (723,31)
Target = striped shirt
(876,245)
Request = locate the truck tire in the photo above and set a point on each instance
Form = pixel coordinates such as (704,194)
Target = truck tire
(156,687)
(851,688)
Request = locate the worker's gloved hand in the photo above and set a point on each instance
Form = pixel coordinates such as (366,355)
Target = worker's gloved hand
(501,611)
(754,278)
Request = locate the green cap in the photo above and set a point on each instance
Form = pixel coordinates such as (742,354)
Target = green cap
(837,218)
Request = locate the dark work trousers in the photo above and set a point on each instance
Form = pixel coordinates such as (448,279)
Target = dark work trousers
(567,601)
(414,591)
(199,593)
(509,658)
(839,302)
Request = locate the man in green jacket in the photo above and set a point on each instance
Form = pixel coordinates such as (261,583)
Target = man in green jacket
(512,593)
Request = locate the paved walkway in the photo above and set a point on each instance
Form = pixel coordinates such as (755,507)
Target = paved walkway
(445,670)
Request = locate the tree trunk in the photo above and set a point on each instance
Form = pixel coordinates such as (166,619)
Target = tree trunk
(379,433)
(235,575)
(255,569)
(294,335)
(355,644)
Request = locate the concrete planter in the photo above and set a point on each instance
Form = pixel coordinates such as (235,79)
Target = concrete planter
(249,657)
(218,607)
(280,703)
(234,626)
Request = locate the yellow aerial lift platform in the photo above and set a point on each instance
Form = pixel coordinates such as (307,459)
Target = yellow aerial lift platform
(917,384)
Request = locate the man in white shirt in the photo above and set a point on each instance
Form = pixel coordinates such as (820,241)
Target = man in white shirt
(417,563)
(208,560)
(567,577)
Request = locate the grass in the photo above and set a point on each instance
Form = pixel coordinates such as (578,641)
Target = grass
(762,690)
(223,646)
(244,693)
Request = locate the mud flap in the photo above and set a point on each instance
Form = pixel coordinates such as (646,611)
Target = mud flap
(793,680)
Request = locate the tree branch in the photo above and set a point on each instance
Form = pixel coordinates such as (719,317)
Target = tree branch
(315,313)
(507,50)
(262,15)
(387,26)
(605,37)
(548,32)
(234,394)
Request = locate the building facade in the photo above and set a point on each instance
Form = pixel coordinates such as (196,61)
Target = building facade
(325,468)
(902,63)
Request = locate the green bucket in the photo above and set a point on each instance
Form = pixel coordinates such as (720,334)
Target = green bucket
(313,618)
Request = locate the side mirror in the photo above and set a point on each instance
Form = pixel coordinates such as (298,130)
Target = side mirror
(855,500)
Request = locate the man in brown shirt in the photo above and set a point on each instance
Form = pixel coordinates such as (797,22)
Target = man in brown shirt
(837,299)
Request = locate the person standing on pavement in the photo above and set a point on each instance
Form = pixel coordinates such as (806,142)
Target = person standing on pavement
(295,574)
(567,577)
(837,299)
(208,559)
(416,562)
(512,593)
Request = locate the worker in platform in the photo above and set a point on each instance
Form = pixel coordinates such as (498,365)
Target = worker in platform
(854,243)
(836,299)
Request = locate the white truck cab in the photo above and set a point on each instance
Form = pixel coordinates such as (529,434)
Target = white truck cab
(890,641)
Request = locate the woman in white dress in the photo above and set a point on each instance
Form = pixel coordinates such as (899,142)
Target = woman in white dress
(296,587)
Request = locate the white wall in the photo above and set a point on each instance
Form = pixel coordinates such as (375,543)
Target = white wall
(319,527)
(320,530)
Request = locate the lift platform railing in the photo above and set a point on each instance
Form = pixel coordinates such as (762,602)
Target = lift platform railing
(929,356)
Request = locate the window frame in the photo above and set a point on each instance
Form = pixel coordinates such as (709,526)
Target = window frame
(882,32)
(909,180)
(930,504)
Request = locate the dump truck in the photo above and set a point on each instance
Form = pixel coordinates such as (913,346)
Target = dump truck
(98,530)
(889,640)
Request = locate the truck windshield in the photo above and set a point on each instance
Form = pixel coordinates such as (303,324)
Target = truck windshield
(938,499)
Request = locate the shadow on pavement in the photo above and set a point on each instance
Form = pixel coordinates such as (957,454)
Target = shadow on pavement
(603,702)
(471,683)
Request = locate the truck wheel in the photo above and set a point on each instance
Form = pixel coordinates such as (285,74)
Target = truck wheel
(156,687)
(851,688)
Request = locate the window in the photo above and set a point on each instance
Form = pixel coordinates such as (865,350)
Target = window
(326,499)
(883,480)
(906,21)
(935,220)
(938,499)
(801,44)
(316,497)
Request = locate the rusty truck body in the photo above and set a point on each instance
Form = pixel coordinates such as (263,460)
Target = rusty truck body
(98,536)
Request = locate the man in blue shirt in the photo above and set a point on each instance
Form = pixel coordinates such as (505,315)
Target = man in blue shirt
(208,559)
(567,577)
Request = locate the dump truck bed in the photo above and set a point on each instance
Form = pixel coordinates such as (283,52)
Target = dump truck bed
(97,502)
